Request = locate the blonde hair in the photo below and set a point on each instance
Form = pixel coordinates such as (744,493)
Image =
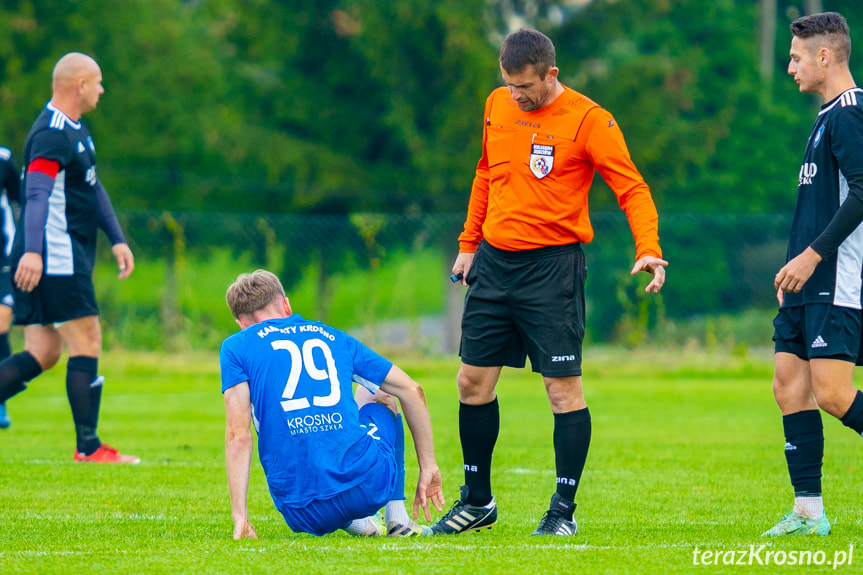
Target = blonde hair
(253,292)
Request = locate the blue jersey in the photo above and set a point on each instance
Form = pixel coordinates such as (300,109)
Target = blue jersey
(300,376)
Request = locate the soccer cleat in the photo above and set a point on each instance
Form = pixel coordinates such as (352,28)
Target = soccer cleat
(412,529)
(106,454)
(464,517)
(4,417)
(558,519)
(796,524)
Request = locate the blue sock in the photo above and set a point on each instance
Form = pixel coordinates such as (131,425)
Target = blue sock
(398,493)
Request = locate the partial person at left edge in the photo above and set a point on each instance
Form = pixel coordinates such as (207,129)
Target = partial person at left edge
(11,191)
(63,206)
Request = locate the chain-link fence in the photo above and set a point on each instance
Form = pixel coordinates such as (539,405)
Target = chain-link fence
(373,271)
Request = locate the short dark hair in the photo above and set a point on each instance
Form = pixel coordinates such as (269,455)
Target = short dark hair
(831,26)
(525,48)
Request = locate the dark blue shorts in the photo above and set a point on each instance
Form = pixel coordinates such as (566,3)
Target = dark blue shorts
(818,330)
(369,496)
(522,304)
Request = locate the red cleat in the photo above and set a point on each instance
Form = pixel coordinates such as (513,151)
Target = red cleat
(106,454)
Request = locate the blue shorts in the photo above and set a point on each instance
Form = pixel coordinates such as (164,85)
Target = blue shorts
(380,485)
(818,330)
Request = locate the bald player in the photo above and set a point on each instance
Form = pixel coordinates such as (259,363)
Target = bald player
(63,205)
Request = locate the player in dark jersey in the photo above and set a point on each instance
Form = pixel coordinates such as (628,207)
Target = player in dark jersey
(331,459)
(53,255)
(9,185)
(818,327)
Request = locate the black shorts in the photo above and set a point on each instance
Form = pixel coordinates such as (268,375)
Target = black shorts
(818,330)
(56,299)
(525,303)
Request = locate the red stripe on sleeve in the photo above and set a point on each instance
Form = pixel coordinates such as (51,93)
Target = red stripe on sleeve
(47,167)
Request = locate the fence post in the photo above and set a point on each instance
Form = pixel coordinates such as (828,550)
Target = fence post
(174,256)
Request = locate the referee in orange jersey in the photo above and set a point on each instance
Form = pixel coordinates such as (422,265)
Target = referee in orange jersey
(520,254)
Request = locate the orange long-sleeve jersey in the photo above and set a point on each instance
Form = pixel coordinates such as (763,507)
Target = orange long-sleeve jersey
(532,181)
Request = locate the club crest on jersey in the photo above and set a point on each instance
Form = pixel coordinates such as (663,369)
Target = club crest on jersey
(818,137)
(541,160)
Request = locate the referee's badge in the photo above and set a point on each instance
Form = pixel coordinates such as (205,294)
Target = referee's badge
(541,160)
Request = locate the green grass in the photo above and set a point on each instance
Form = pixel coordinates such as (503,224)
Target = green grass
(686,452)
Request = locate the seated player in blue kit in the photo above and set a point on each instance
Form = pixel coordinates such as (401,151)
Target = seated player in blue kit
(332,459)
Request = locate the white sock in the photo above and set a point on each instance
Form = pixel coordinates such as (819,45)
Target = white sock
(396,511)
(366,527)
(811,507)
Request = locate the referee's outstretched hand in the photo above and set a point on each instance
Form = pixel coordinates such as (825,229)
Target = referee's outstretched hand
(655,266)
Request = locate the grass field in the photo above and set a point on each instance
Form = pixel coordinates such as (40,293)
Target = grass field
(687,453)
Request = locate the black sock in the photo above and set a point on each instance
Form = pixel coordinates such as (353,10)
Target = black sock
(5,350)
(85,394)
(804,451)
(571,441)
(853,418)
(15,371)
(478,426)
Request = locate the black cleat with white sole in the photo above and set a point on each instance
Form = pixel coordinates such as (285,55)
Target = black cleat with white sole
(558,519)
(464,517)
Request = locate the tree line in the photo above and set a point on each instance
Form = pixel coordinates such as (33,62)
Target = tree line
(339,106)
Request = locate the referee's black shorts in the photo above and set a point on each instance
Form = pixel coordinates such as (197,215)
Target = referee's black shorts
(525,303)
(56,299)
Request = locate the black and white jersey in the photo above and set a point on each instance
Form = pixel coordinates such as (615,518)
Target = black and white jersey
(10,185)
(832,169)
(73,205)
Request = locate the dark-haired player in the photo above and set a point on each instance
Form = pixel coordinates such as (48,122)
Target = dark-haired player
(521,255)
(818,327)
